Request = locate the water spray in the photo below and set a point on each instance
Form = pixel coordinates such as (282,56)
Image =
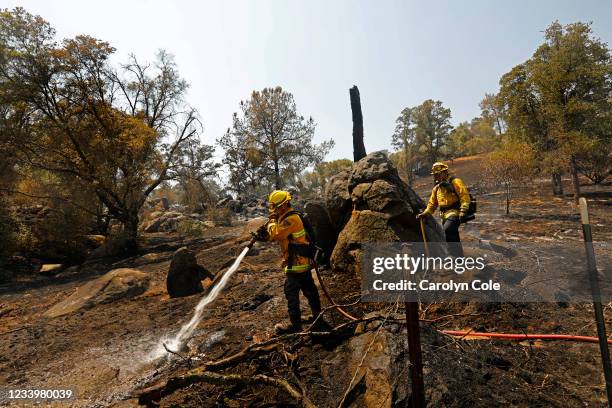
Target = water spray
(176,343)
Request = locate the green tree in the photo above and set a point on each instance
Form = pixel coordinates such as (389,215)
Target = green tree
(458,140)
(196,173)
(475,137)
(316,180)
(421,135)
(492,110)
(558,100)
(69,112)
(403,141)
(432,128)
(270,141)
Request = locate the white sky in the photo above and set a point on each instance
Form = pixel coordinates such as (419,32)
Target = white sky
(398,53)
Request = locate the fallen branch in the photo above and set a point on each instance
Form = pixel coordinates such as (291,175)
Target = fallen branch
(151,396)
(182,357)
(156,392)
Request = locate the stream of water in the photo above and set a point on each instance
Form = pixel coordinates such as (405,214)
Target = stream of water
(175,343)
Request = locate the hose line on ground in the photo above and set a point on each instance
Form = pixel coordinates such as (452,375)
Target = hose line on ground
(464,333)
(522,336)
(510,336)
(329,298)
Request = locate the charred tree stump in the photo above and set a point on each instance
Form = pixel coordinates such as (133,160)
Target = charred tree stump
(359,151)
(557,184)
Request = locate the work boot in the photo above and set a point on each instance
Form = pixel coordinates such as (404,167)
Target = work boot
(310,319)
(293,326)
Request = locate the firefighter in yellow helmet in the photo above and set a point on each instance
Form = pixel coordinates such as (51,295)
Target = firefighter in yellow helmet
(286,227)
(453,198)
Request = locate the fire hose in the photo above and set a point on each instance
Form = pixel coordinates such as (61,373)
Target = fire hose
(323,287)
(329,298)
(461,333)
(520,336)
(510,336)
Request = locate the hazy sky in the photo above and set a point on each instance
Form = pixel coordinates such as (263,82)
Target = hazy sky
(398,53)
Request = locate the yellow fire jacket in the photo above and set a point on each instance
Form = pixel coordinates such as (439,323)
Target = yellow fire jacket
(289,228)
(450,203)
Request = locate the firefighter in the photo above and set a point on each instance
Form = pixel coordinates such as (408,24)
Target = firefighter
(286,227)
(453,198)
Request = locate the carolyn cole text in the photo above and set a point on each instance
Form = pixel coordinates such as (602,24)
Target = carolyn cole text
(425,285)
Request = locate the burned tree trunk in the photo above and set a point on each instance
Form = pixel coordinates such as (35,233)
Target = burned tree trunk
(557,185)
(359,151)
(575,180)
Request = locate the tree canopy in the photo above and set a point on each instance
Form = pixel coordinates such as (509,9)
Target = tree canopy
(559,99)
(119,132)
(269,142)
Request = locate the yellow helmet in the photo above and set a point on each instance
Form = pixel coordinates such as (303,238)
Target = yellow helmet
(278,198)
(438,167)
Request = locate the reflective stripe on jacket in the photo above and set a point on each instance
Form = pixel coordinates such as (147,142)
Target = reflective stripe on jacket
(450,203)
(289,228)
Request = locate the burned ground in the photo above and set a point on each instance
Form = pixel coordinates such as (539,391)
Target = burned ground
(103,352)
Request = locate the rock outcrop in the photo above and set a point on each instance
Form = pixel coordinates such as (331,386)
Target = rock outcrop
(384,210)
(117,284)
(326,235)
(171,221)
(185,274)
(338,199)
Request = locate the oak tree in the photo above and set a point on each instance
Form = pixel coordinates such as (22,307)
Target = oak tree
(119,132)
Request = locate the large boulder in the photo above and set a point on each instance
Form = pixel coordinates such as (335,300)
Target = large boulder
(113,246)
(254,207)
(234,206)
(185,274)
(363,227)
(338,199)
(166,222)
(377,166)
(326,235)
(117,284)
(371,369)
(384,210)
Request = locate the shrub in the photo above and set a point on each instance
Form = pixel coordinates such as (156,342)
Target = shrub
(190,227)
(7,232)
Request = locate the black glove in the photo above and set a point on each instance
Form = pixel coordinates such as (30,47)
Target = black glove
(462,217)
(261,234)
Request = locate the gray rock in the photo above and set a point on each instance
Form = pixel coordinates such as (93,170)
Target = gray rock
(338,199)
(185,275)
(234,206)
(50,269)
(115,285)
(384,210)
(381,380)
(153,225)
(326,235)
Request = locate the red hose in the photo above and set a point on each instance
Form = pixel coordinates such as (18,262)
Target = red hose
(521,336)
